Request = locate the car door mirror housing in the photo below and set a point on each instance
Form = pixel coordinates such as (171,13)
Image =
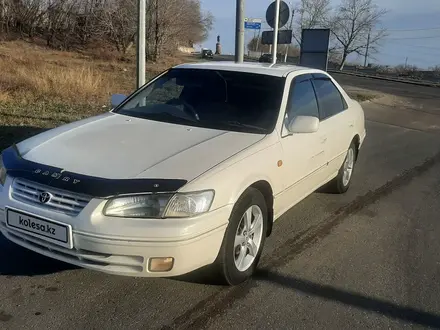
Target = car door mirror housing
(303,124)
(117,99)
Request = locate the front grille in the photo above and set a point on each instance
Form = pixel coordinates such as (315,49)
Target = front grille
(61,201)
(130,264)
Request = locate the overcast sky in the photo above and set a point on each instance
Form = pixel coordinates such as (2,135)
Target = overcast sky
(422,47)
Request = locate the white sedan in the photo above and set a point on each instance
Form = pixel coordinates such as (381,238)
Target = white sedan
(190,170)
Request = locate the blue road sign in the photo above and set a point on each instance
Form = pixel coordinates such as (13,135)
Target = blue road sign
(252,25)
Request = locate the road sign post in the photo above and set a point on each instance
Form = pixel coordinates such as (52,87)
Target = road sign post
(275,34)
(277,15)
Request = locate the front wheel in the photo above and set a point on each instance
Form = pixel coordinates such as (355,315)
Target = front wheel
(244,238)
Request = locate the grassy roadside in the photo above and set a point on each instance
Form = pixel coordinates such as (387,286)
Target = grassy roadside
(362,97)
(42,88)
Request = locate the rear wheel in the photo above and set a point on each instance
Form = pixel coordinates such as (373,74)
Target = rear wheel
(341,183)
(244,238)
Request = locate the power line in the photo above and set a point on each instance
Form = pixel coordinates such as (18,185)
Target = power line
(413,52)
(403,57)
(397,43)
(414,46)
(412,38)
(409,30)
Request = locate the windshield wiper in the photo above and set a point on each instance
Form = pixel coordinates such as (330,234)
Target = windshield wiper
(160,115)
(235,123)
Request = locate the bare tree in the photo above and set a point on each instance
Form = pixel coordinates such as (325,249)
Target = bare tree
(409,71)
(353,25)
(255,44)
(119,22)
(178,22)
(310,14)
(436,70)
(27,16)
(89,17)
(78,23)
(60,23)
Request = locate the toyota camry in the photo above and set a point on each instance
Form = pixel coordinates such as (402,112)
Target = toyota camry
(190,170)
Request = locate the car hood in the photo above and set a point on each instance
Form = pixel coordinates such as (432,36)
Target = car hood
(115,146)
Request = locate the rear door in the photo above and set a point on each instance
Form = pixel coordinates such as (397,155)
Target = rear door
(336,124)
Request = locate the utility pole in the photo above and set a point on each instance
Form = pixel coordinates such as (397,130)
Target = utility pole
(140,47)
(275,34)
(368,48)
(239,32)
(406,62)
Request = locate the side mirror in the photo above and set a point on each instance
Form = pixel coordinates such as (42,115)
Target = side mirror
(303,124)
(117,99)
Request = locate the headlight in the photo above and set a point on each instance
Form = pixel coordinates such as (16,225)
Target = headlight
(2,172)
(160,205)
(189,204)
(141,206)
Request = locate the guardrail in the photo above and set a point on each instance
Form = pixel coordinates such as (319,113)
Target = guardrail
(381,77)
(348,72)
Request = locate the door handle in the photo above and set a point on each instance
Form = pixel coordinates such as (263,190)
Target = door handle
(323,139)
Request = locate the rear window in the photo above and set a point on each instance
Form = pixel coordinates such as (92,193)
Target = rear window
(329,98)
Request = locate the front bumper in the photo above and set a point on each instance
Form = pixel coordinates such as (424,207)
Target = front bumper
(125,246)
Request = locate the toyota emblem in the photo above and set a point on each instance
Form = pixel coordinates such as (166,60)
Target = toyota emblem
(45,197)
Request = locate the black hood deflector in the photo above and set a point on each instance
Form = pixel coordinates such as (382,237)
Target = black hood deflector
(19,167)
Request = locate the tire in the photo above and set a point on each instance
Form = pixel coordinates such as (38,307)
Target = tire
(230,264)
(341,183)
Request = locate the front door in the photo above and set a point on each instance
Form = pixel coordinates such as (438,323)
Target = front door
(303,153)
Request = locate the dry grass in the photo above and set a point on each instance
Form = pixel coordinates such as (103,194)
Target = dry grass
(362,97)
(32,74)
(47,81)
(42,88)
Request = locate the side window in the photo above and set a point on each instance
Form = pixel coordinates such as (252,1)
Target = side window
(302,100)
(329,98)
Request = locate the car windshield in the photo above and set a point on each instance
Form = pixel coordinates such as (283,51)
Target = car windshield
(224,100)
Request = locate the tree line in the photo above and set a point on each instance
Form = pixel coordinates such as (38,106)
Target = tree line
(71,24)
(354,25)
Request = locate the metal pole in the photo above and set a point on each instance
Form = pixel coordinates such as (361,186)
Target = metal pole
(239,32)
(258,40)
(290,28)
(368,46)
(275,32)
(140,49)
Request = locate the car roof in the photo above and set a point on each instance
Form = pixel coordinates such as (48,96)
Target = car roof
(277,70)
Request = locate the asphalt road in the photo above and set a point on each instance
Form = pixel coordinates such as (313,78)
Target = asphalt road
(366,259)
(423,98)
